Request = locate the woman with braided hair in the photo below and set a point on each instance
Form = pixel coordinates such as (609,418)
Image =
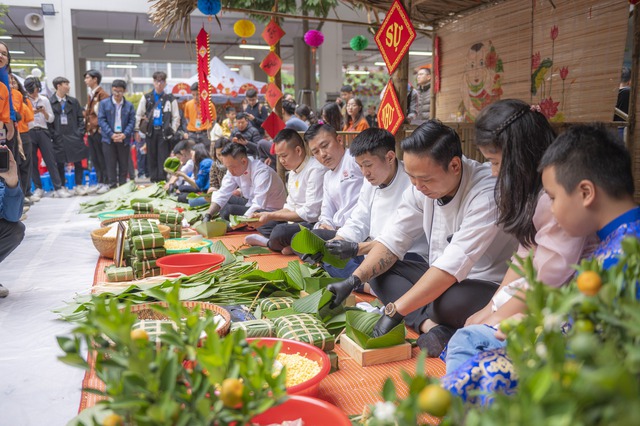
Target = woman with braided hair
(513,137)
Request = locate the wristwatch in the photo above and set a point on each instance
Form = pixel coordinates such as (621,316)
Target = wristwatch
(391,311)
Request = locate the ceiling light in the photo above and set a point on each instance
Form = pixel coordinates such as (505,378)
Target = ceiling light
(122,41)
(234,69)
(240,58)
(6,37)
(17,52)
(254,46)
(354,72)
(15,65)
(415,53)
(123,55)
(379,64)
(122,66)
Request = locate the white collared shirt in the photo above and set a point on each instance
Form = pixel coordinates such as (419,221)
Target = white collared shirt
(305,190)
(260,184)
(478,247)
(341,188)
(118,121)
(38,117)
(373,213)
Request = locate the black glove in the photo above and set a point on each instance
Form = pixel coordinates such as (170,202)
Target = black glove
(341,248)
(312,259)
(385,324)
(206,218)
(341,290)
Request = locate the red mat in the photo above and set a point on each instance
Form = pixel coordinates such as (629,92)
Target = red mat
(352,388)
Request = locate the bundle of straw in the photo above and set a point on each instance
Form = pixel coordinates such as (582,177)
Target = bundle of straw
(172,16)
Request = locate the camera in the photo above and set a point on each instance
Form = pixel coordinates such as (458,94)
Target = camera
(4,159)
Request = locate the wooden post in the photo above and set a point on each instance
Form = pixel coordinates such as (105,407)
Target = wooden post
(633,136)
(400,80)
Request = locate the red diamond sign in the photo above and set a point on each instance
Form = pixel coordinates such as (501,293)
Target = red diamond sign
(273,124)
(395,36)
(390,115)
(272,95)
(271,64)
(272,33)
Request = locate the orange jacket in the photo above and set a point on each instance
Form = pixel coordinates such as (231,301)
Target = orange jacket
(5,111)
(357,127)
(192,115)
(25,110)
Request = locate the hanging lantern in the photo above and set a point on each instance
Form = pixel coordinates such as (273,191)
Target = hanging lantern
(359,43)
(209,7)
(314,38)
(244,29)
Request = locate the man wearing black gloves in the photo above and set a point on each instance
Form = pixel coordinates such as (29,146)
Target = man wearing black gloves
(452,203)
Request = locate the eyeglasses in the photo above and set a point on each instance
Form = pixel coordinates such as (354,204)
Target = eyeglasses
(159,81)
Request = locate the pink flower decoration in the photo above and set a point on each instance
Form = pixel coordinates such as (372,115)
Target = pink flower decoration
(535,60)
(314,38)
(554,32)
(549,108)
(564,72)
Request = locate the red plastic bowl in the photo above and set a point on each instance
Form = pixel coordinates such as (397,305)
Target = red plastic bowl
(189,263)
(311,386)
(312,411)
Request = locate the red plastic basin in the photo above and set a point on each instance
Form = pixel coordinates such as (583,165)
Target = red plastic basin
(189,263)
(311,386)
(312,411)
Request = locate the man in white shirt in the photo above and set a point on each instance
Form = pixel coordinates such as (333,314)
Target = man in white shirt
(451,202)
(259,183)
(385,180)
(304,201)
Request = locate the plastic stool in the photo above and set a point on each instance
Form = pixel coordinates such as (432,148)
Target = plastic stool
(85,177)
(93,177)
(47,185)
(70,178)
(33,186)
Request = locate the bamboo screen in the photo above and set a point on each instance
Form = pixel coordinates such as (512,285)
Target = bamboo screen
(570,56)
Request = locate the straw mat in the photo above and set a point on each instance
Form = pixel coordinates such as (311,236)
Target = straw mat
(352,388)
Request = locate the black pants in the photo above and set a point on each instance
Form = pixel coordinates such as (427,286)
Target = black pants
(41,140)
(280,234)
(98,157)
(185,190)
(25,166)
(116,156)
(201,137)
(235,206)
(11,235)
(158,149)
(78,171)
(452,308)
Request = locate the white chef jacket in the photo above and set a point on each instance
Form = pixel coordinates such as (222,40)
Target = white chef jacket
(305,190)
(479,248)
(341,189)
(375,211)
(260,184)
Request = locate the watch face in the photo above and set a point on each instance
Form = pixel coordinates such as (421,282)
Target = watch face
(390,309)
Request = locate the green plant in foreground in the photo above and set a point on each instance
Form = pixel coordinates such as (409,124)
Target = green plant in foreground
(190,376)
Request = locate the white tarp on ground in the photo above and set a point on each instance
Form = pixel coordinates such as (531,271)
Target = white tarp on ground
(228,85)
(55,261)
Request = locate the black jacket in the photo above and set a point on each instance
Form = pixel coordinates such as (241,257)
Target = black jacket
(68,140)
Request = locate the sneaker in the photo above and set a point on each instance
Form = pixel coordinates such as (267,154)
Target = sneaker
(34,198)
(61,193)
(93,189)
(435,340)
(81,190)
(25,209)
(256,240)
(23,217)
(38,193)
(27,201)
(3,292)
(102,188)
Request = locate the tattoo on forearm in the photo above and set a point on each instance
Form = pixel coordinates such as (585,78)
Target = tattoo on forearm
(383,264)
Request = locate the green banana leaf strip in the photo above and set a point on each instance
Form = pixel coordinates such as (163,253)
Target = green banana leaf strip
(360,326)
(236,220)
(313,284)
(254,251)
(220,248)
(306,242)
(279,313)
(312,303)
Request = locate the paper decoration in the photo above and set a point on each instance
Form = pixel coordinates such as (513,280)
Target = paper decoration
(273,124)
(273,95)
(359,43)
(243,89)
(314,38)
(272,33)
(244,29)
(271,64)
(181,89)
(202,47)
(390,114)
(209,7)
(395,36)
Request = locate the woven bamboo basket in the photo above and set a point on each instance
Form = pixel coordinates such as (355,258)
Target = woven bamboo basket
(144,312)
(131,216)
(107,245)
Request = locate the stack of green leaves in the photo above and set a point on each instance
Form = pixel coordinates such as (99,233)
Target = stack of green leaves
(174,221)
(360,326)
(255,328)
(145,245)
(142,208)
(306,242)
(172,164)
(118,274)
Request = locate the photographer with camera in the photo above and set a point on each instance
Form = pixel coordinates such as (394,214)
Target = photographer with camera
(11,204)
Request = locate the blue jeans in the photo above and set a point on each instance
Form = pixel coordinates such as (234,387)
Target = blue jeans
(470,341)
(347,271)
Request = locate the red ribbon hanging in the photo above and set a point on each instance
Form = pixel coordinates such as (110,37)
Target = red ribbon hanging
(202,49)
